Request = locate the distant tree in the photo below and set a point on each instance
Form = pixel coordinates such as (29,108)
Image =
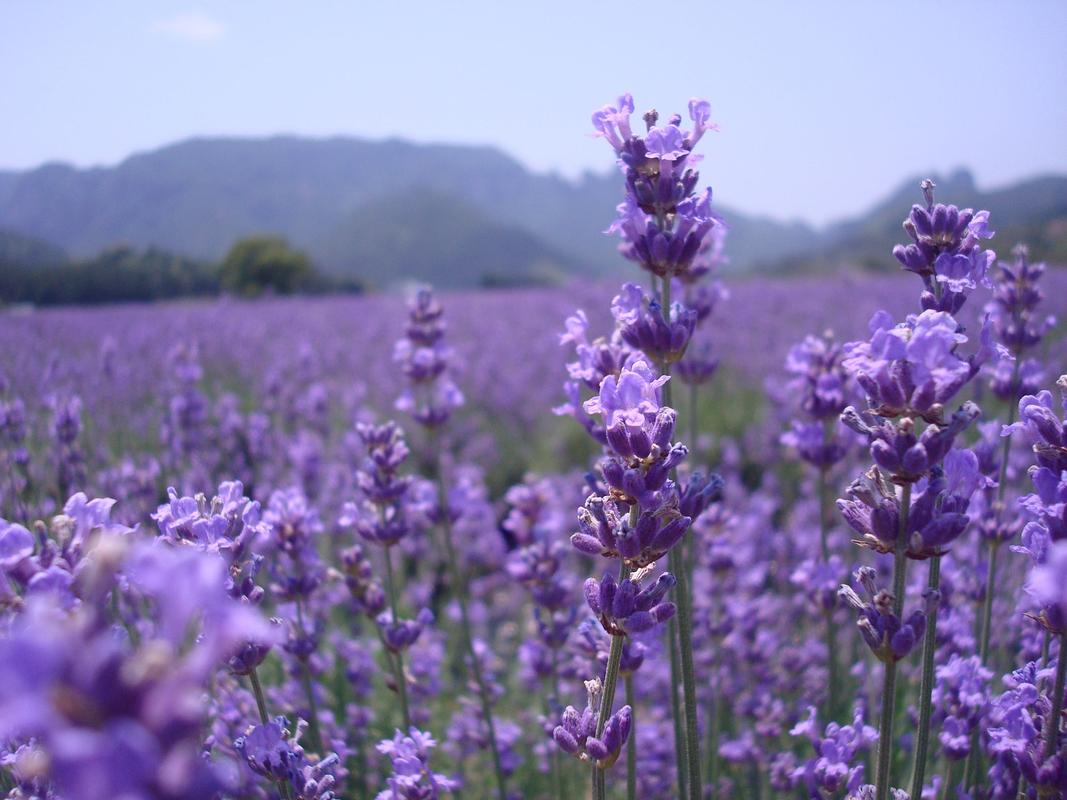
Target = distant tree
(265,263)
(116,274)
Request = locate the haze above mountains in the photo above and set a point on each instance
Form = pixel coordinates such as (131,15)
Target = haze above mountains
(386,211)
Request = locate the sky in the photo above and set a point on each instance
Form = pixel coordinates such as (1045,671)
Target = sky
(824,107)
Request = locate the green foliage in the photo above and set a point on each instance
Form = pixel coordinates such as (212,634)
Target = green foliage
(261,264)
(115,275)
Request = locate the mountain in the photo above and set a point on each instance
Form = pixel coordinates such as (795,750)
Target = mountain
(454,245)
(198,196)
(383,211)
(1032,211)
(26,251)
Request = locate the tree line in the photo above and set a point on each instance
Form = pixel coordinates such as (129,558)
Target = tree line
(254,266)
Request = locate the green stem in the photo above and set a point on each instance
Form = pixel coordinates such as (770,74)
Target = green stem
(1052,734)
(885,730)
(607,699)
(685,624)
(257,690)
(261,705)
(396,660)
(715,724)
(631,743)
(926,683)
(459,586)
(889,684)
(950,772)
(681,761)
(900,560)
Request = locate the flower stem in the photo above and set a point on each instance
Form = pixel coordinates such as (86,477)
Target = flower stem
(681,762)
(685,623)
(631,743)
(1053,725)
(397,659)
(885,730)
(257,690)
(261,705)
(926,683)
(459,586)
(950,772)
(607,699)
(715,725)
(889,684)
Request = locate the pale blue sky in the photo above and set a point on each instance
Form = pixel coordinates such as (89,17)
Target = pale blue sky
(824,106)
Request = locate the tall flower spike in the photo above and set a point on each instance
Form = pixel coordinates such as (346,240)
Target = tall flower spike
(663,221)
(424,357)
(945,251)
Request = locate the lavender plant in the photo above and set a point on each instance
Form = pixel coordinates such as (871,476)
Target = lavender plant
(431,399)
(910,372)
(664,224)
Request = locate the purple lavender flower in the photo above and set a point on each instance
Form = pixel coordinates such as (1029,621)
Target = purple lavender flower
(1013,313)
(643,325)
(961,697)
(412,778)
(624,607)
(382,517)
(424,358)
(819,377)
(114,717)
(913,368)
(888,637)
(605,530)
(1038,420)
(897,449)
(936,517)
(939,515)
(270,751)
(663,222)
(831,770)
(66,428)
(945,251)
(576,733)
(1048,580)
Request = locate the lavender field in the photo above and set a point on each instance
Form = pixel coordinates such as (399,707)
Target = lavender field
(668,537)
